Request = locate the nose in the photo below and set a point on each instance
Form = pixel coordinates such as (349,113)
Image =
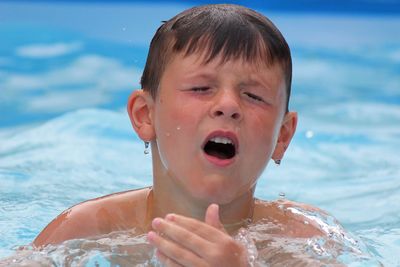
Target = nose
(226,105)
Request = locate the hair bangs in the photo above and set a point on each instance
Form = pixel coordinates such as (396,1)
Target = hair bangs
(233,38)
(223,31)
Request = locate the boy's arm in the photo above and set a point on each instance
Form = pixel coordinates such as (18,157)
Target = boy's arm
(76,222)
(118,211)
(183,241)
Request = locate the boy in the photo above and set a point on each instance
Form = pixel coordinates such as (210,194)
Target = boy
(214,107)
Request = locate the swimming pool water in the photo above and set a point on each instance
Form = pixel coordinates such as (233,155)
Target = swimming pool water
(65,137)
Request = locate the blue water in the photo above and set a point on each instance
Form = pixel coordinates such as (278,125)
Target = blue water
(66,71)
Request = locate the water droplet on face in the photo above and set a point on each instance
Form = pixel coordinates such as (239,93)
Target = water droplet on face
(167,134)
(178,128)
(309,134)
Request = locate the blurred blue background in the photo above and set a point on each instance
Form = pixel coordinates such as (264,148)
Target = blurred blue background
(68,67)
(43,39)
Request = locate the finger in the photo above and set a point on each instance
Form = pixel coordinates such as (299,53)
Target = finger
(181,236)
(174,251)
(212,217)
(168,262)
(202,229)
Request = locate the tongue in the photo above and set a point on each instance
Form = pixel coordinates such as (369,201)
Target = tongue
(217,154)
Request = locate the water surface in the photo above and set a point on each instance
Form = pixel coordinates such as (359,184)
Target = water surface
(65,137)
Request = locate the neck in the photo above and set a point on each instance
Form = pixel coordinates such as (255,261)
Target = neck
(170,197)
(233,215)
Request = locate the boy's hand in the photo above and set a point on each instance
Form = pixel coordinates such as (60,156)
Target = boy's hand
(183,241)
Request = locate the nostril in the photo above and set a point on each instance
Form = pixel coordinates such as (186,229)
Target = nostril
(219,113)
(235,115)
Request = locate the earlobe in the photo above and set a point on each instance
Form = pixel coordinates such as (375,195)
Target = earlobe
(286,133)
(140,110)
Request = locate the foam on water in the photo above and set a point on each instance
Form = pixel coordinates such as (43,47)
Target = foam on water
(46,168)
(55,152)
(265,248)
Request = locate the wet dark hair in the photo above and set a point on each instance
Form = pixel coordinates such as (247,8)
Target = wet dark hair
(232,31)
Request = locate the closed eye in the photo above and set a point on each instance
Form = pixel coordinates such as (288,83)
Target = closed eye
(254,97)
(200,89)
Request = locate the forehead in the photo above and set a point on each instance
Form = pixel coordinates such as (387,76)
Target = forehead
(197,64)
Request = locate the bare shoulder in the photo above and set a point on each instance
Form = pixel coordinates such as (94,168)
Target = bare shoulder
(293,218)
(119,211)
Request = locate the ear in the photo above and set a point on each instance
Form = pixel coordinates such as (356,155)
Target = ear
(288,128)
(140,111)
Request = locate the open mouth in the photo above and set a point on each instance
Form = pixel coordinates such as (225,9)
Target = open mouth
(220,147)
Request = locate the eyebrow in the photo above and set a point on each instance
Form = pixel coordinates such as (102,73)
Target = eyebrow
(254,83)
(251,82)
(201,75)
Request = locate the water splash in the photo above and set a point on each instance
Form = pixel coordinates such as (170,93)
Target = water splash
(309,134)
(265,241)
(243,237)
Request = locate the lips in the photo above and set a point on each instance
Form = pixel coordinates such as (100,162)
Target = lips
(221,147)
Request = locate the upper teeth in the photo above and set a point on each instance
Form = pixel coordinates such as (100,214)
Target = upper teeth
(222,140)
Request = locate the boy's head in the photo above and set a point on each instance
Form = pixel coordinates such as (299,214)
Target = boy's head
(213,102)
(230,31)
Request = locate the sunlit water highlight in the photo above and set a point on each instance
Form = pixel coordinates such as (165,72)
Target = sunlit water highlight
(265,248)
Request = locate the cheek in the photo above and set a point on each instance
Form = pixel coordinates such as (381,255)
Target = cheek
(263,139)
(269,125)
(174,126)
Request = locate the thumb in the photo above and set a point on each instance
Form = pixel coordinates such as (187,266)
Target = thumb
(212,217)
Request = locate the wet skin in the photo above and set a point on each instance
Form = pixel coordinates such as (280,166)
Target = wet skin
(234,101)
(130,210)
